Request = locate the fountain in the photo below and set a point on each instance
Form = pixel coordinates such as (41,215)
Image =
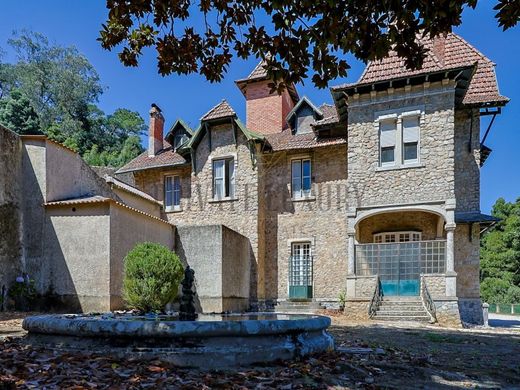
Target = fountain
(189,340)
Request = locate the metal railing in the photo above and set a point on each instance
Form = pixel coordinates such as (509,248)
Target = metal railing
(428,301)
(376,299)
(406,258)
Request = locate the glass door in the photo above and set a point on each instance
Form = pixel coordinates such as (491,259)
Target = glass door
(300,271)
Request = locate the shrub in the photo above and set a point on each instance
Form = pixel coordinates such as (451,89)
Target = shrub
(152,277)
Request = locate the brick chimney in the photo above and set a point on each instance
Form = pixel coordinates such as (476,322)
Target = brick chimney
(155,131)
(265,110)
(439,48)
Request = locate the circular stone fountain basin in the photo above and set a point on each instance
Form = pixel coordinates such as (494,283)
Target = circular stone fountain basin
(212,341)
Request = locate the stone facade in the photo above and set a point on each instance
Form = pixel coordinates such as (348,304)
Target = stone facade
(432,179)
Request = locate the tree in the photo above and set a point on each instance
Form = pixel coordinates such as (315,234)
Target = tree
(291,36)
(500,255)
(62,88)
(17,114)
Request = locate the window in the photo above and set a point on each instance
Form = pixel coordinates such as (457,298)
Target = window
(389,237)
(301,178)
(224,178)
(172,193)
(399,139)
(387,141)
(410,126)
(179,140)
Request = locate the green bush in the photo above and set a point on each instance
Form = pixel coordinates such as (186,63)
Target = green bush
(152,277)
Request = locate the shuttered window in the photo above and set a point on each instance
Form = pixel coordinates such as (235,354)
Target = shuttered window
(224,178)
(301,178)
(172,193)
(410,139)
(387,141)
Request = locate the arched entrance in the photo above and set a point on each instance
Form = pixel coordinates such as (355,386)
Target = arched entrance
(399,246)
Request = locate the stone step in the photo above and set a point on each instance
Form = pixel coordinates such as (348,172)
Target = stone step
(402,312)
(401,303)
(402,318)
(407,308)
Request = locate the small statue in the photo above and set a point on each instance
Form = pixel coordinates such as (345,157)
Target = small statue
(187,309)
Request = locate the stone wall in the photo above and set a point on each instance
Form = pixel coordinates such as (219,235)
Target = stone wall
(467,161)
(436,285)
(467,261)
(357,310)
(433,178)
(10,207)
(447,313)
(240,214)
(365,286)
(320,220)
(471,311)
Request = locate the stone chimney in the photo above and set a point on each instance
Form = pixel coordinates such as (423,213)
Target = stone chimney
(155,131)
(265,110)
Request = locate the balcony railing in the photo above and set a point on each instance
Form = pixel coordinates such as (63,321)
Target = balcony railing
(403,258)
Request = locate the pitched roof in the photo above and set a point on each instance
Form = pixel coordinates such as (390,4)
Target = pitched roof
(101,199)
(164,158)
(287,141)
(303,100)
(445,53)
(260,73)
(330,115)
(128,188)
(221,110)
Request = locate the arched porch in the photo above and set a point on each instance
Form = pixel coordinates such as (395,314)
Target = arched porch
(401,246)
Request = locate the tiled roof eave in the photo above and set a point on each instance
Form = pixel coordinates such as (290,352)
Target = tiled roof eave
(348,87)
(152,167)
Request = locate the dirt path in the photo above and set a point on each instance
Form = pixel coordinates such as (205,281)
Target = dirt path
(11,324)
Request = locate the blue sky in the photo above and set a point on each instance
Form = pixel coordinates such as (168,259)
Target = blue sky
(77,22)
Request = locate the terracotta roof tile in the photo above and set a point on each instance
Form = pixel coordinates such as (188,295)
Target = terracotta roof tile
(258,72)
(221,110)
(287,141)
(444,53)
(165,157)
(330,115)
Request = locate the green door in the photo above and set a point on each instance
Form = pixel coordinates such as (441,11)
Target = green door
(300,271)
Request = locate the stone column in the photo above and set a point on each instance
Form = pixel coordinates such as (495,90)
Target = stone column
(351,253)
(351,246)
(451,275)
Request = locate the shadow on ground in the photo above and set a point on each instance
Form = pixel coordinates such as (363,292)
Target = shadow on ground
(418,357)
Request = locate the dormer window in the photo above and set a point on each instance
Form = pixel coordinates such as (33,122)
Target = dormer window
(179,140)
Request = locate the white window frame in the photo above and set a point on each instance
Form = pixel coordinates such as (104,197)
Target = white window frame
(175,193)
(300,193)
(397,237)
(399,160)
(231,180)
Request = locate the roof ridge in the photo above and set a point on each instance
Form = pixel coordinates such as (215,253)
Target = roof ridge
(224,106)
(470,46)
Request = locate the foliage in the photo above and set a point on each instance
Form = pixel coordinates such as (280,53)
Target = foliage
(62,88)
(22,291)
(500,255)
(152,277)
(18,114)
(292,36)
(342,299)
